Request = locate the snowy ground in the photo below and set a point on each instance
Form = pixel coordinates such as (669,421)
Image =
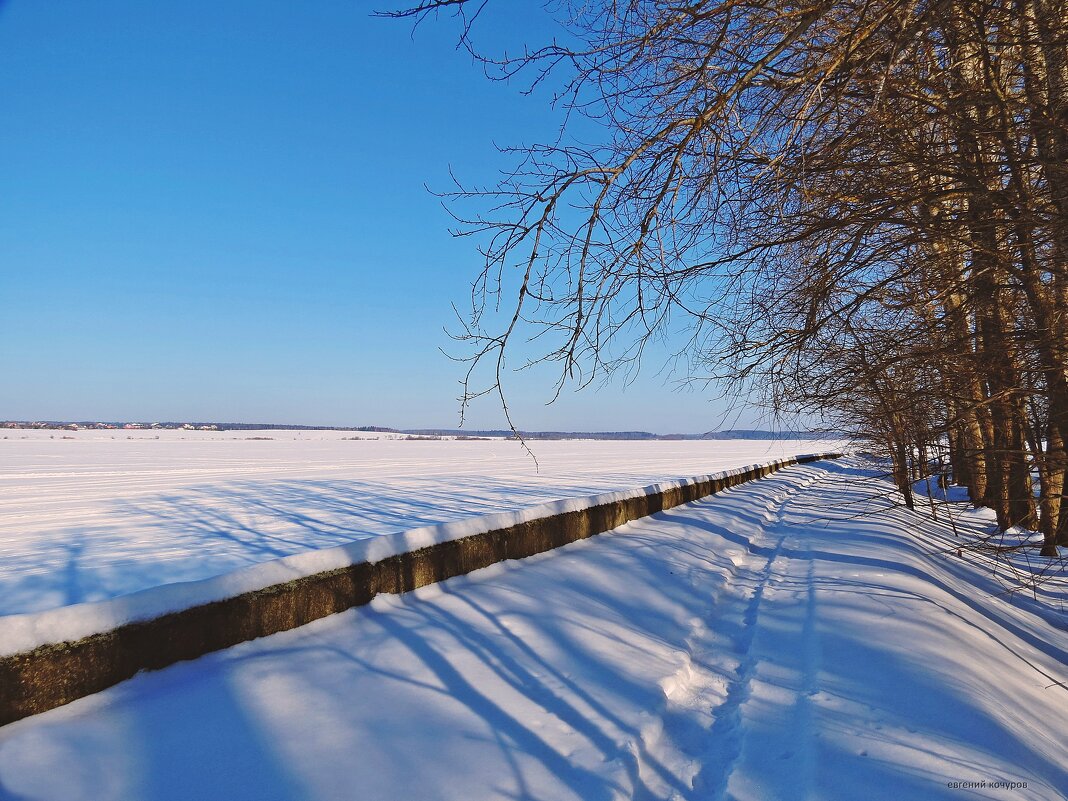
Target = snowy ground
(90,515)
(1011,557)
(797,637)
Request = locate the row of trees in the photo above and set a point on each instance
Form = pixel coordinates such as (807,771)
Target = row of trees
(857,208)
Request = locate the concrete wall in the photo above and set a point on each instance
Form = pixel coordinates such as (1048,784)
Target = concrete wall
(53,675)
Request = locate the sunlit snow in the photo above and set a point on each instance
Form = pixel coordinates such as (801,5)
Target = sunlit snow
(798,637)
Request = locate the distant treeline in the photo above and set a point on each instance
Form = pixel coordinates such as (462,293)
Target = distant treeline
(737,433)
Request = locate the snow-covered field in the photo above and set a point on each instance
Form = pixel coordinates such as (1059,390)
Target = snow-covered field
(798,637)
(90,515)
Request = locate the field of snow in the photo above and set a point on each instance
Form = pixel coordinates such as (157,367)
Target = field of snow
(90,515)
(798,637)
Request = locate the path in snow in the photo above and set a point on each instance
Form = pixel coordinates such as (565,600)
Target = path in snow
(765,643)
(90,515)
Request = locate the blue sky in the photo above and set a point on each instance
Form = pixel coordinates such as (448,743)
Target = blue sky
(217,211)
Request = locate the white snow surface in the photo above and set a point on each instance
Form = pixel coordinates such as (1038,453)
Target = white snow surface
(87,516)
(24,632)
(798,637)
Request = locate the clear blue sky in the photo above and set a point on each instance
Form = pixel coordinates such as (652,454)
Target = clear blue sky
(217,211)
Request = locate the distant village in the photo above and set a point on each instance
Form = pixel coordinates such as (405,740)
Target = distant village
(60,426)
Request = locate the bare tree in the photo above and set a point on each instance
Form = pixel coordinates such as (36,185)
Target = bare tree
(858,208)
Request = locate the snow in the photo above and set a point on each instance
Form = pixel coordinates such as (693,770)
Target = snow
(91,515)
(24,632)
(797,637)
(1010,558)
